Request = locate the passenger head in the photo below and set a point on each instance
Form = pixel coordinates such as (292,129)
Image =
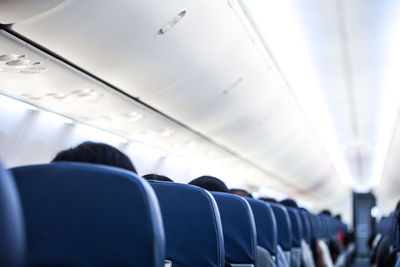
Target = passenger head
(156,177)
(240,192)
(339,217)
(326,212)
(210,183)
(268,199)
(96,153)
(289,203)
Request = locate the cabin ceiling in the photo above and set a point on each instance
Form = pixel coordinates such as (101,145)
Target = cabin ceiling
(311,102)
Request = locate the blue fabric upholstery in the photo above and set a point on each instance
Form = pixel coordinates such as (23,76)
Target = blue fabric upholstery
(297,228)
(240,237)
(192,225)
(265,225)
(12,235)
(306,226)
(283,225)
(323,219)
(89,215)
(315,233)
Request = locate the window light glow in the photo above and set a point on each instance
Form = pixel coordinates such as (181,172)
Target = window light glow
(296,66)
(389,103)
(19,103)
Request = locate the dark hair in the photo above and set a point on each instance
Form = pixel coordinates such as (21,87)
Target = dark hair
(326,212)
(289,203)
(97,153)
(240,192)
(339,217)
(210,183)
(268,199)
(156,177)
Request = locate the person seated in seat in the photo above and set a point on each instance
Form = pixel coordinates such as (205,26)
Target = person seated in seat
(156,177)
(96,153)
(240,192)
(268,199)
(210,183)
(288,202)
(280,256)
(307,259)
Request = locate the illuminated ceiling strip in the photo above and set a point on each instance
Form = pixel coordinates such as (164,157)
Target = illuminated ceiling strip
(331,147)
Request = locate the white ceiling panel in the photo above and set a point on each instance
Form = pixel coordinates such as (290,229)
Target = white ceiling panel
(207,72)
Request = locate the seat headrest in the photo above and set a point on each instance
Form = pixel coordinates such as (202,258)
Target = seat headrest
(192,225)
(283,225)
(89,215)
(240,237)
(305,220)
(315,228)
(324,224)
(12,232)
(267,234)
(297,228)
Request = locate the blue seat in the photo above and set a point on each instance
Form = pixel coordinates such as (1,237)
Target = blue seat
(12,235)
(284,226)
(89,215)
(297,227)
(306,234)
(315,231)
(265,225)
(192,225)
(240,237)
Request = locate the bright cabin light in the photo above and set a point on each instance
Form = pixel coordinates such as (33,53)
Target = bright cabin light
(58,117)
(389,102)
(295,63)
(19,103)
(374,212)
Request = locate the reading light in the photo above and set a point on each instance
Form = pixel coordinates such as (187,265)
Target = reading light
(9,57)
(167,132)
(134,116)
(18,63)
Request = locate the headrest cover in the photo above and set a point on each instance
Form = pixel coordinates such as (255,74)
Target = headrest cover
(297,228)
(265,225)
(192,225)
(284,226)
(240,237)
(89,215)
(12,235)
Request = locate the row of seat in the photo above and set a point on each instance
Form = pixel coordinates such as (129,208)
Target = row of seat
(73,214)
(387,237)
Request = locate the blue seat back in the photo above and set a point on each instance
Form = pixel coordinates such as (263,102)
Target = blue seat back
(283,225)
(297,227)
(264,218)
(315,231)
(12,232)
(89,215)
(306,226)
(240,237)
(192,224)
